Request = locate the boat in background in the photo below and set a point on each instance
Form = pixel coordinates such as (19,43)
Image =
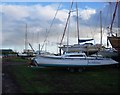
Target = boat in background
(87,48)
(27,53)
(115,40)
(108,52)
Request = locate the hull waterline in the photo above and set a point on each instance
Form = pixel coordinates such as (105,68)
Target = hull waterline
(115,42)
(50,61)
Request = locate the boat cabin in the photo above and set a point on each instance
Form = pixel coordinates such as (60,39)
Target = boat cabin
(79,54)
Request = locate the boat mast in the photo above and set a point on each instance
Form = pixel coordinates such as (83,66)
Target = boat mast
(113,18)
(66,23)
(32,48)
(26,38)
(77,21)
(68,34)
(101,27)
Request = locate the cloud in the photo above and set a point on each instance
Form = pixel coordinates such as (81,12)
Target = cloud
(39,18)
(86,14)
(15,12)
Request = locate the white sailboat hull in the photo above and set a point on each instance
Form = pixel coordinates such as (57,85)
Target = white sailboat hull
(108,53)
(77,49)
(58,61)
(90,49)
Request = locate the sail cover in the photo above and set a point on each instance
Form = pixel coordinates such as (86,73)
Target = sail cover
(84,40)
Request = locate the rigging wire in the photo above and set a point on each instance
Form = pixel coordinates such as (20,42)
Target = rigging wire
(66,22)
(105,23)
(113,18)
(50,26)
(106,20)
(68,34)
(95,28)
(89,24)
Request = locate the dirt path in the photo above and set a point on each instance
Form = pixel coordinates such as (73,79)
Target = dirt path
(9,84)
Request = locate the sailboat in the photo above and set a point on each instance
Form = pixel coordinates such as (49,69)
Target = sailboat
(71,60)
(27,52)
(74,59)
(87,48)
(115,40)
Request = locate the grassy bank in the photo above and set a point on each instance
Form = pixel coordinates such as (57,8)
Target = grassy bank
(14,59)
(50,80)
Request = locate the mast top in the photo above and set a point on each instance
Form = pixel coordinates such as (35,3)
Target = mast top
(114,14)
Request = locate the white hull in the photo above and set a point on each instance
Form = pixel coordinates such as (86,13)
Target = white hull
(77,49)
(71,61)
(108,54)
(90,49)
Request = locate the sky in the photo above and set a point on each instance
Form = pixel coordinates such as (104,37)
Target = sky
(39,16)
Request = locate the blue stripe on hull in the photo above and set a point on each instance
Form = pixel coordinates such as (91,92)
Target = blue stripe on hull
(66,65)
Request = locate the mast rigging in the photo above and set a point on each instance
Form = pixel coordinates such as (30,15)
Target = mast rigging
(66,23)
(113,18)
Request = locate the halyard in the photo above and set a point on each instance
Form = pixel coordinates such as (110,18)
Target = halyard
(60,80)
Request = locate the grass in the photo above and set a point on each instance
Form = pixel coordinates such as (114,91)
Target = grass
(50,80)
(27,78)
(59,80)
(16,59)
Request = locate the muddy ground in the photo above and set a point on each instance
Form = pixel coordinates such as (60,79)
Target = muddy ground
(9,84)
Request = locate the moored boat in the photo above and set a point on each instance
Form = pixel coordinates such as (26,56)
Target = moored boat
(71,60)
(87,48)
(108,52)
(115,40)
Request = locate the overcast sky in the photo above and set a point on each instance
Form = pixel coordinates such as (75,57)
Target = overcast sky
(39,15)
